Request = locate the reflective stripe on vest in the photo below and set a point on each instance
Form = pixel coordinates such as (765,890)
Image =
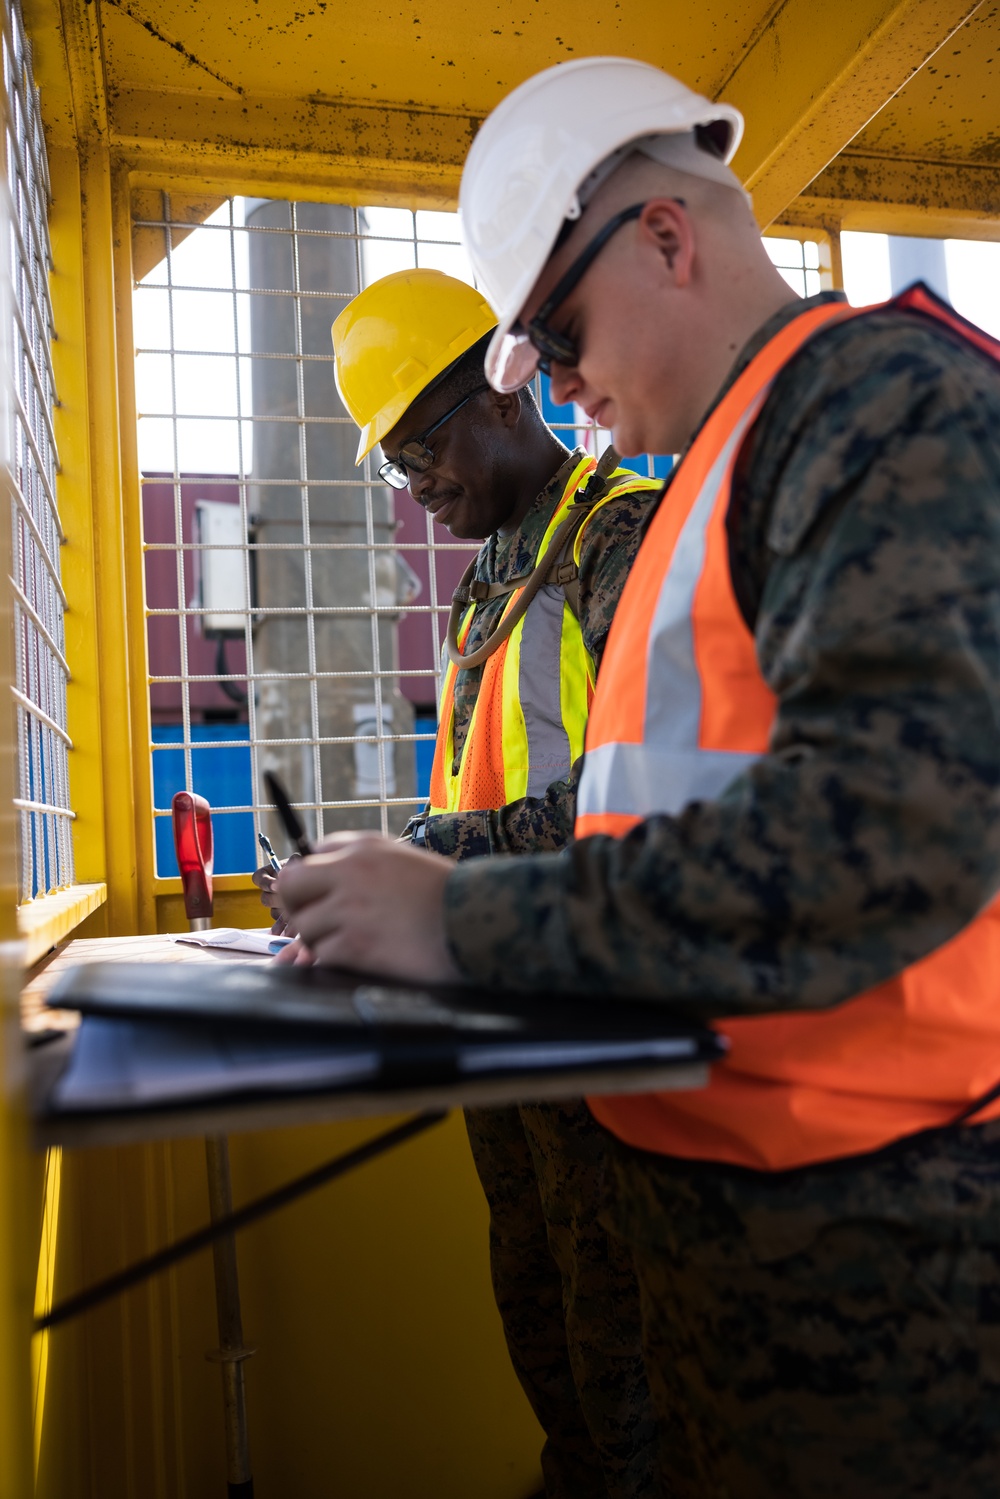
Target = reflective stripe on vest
(682,709)
(528,724)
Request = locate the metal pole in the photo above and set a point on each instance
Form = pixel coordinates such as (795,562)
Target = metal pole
(302,388)
(231,1351)
(195,859)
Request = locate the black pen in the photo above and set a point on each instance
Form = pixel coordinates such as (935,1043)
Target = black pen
(269,854)
(288,815)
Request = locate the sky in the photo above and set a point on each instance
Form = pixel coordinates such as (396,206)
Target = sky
(973,275)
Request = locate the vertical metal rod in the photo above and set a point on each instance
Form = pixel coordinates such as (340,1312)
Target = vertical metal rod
(300,406)
(231,1352)
(836,257)
(182,624)
(383,785)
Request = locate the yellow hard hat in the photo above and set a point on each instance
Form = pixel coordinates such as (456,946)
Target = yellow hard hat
(395,338)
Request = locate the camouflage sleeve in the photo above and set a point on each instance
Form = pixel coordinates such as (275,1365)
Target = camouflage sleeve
(458,835)
(535,824)
(870,832)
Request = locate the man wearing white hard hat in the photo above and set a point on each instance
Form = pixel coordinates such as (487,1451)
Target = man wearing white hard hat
(789,815)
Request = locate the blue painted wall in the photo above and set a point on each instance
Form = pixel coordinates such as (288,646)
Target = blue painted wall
(222,777)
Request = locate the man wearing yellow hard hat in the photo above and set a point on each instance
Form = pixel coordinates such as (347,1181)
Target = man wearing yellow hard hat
(525,639)
(789,815)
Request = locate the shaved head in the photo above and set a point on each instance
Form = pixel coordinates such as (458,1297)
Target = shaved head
(661,314)
(639,176)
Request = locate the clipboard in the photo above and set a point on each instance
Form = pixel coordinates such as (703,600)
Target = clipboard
(247,1030)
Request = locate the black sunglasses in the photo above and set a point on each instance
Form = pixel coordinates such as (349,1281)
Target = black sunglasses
(415,455)
(556,347)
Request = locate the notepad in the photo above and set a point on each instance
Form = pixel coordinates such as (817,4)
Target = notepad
(258,940)
(165,1033)
(123,1064)
(134,1064)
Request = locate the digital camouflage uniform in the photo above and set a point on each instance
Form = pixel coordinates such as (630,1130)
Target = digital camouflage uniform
(825,1333)
(565,1287)
(835,1329)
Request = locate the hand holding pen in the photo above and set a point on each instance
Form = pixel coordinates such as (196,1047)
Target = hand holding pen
(265,877)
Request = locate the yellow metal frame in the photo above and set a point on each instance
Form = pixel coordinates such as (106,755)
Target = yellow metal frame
(50,918)
(831,269)
(44,922)
(113,1385)
(160,904)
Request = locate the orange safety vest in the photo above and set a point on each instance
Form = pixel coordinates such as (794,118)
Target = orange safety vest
(678,721)
(528,724)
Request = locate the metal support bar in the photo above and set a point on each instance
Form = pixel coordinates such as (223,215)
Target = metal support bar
(231,1351)
(231,1223)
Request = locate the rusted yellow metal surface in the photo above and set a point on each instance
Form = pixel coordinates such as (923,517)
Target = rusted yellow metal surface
(886,102)
(929,163)
(816,75)
(72,419)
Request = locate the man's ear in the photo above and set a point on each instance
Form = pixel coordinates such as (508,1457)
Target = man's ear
(507,405)
(666,224)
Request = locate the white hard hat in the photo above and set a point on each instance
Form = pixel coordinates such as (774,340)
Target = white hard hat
(538,146)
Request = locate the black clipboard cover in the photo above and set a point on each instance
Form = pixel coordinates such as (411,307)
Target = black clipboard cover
(421,1034)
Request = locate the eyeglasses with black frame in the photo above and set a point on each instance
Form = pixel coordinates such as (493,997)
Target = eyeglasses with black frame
(414,454)
(537,346)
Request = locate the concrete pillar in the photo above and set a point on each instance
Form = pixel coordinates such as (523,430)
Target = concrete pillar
(290,707)
(913,259)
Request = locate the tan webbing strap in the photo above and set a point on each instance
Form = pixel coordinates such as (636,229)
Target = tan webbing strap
(477,592)
(551,563)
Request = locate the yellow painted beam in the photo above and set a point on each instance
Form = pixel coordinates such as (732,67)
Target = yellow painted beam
(109,551)
(84,96)
(892,195)
(69,67)
(329,151)
(132,624)
(815,75)
(49,919)
(74,491)
(808,77)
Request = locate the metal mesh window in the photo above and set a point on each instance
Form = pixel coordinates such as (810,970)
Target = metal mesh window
(295,604)
(801,263)
(39,600)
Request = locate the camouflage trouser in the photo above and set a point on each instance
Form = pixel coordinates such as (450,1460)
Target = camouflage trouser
(568,1298)
(829,1333)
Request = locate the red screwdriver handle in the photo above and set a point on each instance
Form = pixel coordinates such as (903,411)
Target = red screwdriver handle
(193,842)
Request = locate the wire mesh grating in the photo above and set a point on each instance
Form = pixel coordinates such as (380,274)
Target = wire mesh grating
(41,668)
(322,662)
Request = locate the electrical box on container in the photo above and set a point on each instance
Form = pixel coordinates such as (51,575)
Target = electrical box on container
(221,575)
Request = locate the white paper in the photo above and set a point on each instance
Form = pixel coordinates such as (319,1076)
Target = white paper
(259,940)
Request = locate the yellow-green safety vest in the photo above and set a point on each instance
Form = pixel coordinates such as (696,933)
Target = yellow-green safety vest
(530,718)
